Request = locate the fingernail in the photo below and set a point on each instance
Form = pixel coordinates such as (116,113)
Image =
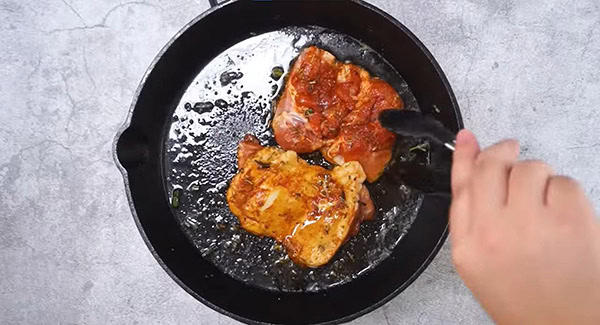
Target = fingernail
(464,137)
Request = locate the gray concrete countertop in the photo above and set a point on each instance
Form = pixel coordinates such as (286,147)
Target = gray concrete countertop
(69,249)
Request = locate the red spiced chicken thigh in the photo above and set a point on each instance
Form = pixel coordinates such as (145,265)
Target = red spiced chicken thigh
(333,107)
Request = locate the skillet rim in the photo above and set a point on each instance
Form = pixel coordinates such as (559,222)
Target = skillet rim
(122,169)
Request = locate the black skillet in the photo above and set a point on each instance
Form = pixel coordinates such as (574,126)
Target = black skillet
(143,153)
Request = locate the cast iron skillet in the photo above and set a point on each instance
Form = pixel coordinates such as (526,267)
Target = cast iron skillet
(139,152)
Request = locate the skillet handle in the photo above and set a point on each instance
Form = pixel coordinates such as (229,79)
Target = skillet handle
(214,3)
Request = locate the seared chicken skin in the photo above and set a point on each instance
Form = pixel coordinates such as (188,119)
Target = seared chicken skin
(333,107)
(310,210)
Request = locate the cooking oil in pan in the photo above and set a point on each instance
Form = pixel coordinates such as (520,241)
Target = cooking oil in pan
(231,97)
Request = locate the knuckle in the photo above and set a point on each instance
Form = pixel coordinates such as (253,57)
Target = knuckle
(530,170)
(503,149)
(487,164)
(487,168)
(533,167)
(564,183)
(511,145)
(564,193)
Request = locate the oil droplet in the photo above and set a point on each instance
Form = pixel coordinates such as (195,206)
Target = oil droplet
(203,107)
(221,103)
(228,76)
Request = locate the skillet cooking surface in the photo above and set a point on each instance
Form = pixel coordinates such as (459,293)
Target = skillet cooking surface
(232,97)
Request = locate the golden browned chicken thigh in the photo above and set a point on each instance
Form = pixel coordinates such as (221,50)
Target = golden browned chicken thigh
(310,210)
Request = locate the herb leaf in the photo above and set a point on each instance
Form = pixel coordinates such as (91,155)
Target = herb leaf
(277,73)
(176,198)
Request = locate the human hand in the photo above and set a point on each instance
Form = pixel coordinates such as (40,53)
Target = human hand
(525,242)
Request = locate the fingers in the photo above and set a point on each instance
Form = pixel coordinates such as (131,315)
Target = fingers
(566,196)
(467,150)
(529,181)
(562,188)
(492,169)
(505,151)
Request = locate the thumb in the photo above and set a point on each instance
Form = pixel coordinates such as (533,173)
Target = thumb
(467,150)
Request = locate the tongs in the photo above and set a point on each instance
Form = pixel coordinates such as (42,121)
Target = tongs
(414,124)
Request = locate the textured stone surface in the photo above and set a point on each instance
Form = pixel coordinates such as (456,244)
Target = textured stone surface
(69,249)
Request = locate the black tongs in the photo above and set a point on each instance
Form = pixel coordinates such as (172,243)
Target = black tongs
(414,124)
(431,178)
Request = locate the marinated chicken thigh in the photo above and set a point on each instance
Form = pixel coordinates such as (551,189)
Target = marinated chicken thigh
(333,107)
(310,210)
